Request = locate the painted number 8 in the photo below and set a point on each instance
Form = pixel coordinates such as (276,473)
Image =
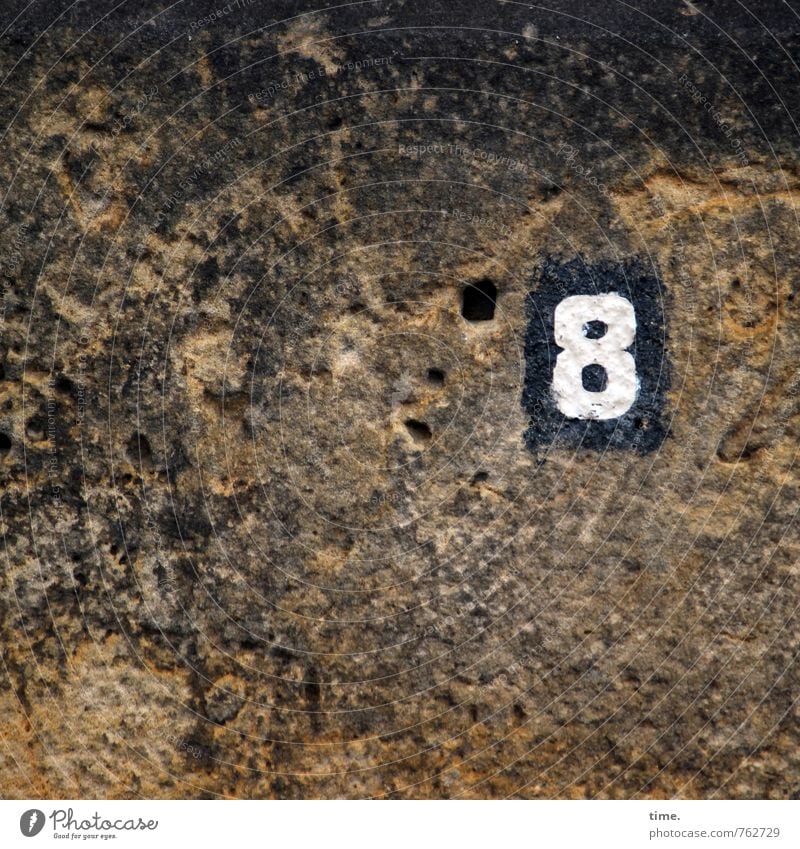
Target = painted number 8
(595,330)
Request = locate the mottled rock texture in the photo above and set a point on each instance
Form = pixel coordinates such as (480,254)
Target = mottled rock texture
(270,527)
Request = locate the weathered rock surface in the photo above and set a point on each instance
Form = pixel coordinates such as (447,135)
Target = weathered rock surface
(270,525)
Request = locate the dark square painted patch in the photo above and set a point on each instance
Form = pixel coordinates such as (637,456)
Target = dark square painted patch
(642,427)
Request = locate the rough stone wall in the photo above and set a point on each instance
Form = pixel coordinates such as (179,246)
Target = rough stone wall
(270,527)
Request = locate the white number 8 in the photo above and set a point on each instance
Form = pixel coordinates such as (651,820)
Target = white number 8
(571,324)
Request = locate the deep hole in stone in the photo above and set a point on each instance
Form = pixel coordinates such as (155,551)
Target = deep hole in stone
(418,430)
(594,378)
(139,450)
(63,384)
(5,443)
(35,428)
(436,376)
(550,190)
(595,329)
(479,300)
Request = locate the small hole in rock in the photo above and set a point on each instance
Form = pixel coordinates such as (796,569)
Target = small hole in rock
(436,376)
(35,429)
(550,190)
(479,300)
(139,450)
(418,430)
(5,443)
(595,329)
(479,477)
(63,384)
(594,378)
